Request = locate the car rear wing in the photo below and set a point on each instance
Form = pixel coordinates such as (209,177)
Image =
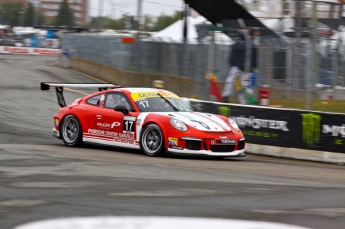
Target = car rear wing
(59,88)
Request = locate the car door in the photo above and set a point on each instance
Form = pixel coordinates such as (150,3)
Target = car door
(90,119)
(118,127)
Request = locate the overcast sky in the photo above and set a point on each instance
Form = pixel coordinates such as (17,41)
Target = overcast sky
(116,8)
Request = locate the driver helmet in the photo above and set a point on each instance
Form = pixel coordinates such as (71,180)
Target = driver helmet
(157,104)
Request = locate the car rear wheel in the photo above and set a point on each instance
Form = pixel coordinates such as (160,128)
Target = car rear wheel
(152,140)
(71,131)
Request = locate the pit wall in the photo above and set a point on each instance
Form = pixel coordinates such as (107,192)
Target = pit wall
(181,86)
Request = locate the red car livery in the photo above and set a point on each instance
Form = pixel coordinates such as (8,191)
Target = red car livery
(153,120)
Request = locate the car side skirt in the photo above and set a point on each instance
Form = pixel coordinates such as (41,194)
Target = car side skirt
(110,142)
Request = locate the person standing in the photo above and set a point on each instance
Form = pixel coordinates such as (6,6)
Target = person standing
(237,63)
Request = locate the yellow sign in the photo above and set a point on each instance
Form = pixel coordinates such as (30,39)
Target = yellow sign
(145,95)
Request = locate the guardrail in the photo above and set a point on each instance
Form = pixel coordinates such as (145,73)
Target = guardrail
(301,134)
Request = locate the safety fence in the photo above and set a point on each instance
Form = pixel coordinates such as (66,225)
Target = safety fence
(293,69)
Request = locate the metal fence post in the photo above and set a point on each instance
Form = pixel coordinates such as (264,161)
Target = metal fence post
(310,80)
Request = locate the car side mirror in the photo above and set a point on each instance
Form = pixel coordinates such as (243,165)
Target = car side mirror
(121,108)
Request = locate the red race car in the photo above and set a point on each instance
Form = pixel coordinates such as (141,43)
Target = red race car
(153,120)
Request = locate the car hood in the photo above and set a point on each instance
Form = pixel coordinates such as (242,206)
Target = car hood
(200,121)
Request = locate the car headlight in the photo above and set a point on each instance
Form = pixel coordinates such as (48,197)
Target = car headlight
(233,124)
(178,124)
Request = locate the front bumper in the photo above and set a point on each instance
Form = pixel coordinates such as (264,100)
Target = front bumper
(56,133)
(222,146)
(236,153)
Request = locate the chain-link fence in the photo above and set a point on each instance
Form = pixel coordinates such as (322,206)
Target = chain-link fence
(293,68)
(298,67)
(156,56)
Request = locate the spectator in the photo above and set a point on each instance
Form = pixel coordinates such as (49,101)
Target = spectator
(237,62)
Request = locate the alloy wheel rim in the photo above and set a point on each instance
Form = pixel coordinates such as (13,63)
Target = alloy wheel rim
(152,140)
(70,130)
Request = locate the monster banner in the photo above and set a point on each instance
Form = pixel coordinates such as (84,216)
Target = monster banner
(284,127)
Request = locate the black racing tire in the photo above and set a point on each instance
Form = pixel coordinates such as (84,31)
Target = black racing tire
(71,131)
(152,140)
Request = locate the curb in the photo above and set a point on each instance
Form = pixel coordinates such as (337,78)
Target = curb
(294,153)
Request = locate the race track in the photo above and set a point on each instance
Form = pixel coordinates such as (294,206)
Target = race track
(40,178)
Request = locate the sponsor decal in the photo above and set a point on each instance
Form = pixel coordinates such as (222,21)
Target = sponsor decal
(311,125)
(224,111)
(259,134)
(336,131)
(129,118)
(117,137)
(311,128)
(17,50)
(223,137)
(177,147)
(115,124)
(56,121)
(256,123)
(226,141)
(36,51)
(138,122)
(144,95)
(125,138)
(172,141)
(102,132)
(108,125)
(52,52)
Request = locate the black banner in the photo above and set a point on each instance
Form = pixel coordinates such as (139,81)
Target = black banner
(283,127)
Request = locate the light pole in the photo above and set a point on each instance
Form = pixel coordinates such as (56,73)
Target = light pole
(35,14)
(20,18)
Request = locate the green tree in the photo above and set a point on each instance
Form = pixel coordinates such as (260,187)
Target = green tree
(33,15)
(148,23)
(51,22)
(65,15)
(9,13)
(41,19)
(164,21)
(103,22)
(29,15)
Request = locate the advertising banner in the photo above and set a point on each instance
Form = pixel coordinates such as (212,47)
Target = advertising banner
(26,50)
(283,127)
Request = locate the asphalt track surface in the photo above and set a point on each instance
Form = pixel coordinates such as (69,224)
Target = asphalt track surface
(40,178)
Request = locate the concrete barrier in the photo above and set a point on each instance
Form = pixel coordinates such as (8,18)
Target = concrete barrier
(179,85)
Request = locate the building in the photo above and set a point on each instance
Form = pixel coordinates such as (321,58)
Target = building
(50,8)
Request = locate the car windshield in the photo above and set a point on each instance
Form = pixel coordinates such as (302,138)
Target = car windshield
(161,103)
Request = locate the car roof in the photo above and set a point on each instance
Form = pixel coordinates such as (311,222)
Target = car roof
(130,90)
(138,89)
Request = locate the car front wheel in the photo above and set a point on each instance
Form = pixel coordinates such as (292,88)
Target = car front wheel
(152,140)
(71,131)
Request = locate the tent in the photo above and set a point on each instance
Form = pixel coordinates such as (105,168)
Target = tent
(174,32)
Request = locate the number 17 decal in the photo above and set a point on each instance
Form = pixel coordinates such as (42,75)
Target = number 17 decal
(128,124)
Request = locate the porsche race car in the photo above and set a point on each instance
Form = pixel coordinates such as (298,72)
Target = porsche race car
(153,120)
